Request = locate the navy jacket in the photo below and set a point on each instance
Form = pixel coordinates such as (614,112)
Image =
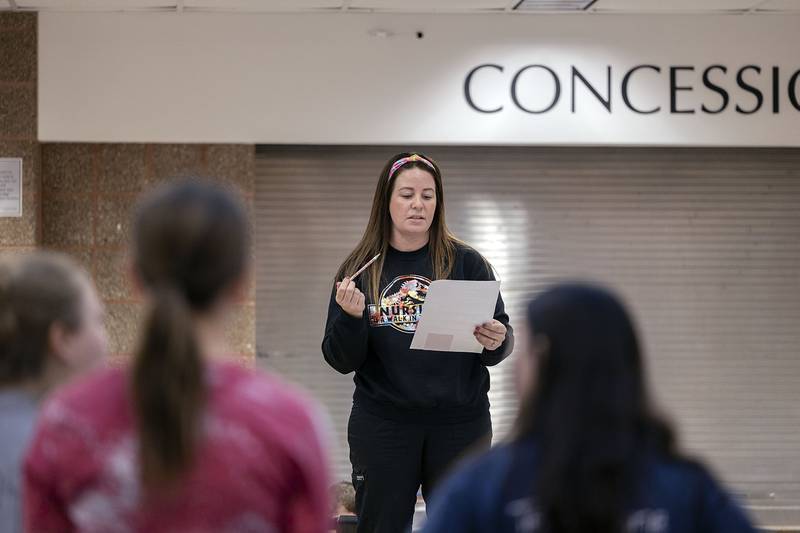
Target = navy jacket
(493,494)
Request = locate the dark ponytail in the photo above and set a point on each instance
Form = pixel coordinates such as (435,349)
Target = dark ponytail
(191,242)
(168,389)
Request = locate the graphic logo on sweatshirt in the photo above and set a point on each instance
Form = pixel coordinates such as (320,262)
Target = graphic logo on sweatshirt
(400,303)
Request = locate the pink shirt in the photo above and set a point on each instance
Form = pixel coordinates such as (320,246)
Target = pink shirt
(260,466)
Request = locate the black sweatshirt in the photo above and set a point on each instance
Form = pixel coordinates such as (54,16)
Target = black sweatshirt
(394,381)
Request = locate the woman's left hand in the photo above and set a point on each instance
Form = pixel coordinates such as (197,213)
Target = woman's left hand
(491,334)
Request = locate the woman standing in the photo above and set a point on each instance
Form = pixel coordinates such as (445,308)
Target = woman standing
(414,411)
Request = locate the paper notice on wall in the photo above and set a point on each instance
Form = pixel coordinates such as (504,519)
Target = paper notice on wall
(10,187)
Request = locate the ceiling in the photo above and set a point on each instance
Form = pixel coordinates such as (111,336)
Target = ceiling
(519,7)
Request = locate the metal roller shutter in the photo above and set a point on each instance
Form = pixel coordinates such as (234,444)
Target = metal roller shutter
(704,244)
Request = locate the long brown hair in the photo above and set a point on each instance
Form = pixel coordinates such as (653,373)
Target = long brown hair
(37,290)
(442,243)
(191,241)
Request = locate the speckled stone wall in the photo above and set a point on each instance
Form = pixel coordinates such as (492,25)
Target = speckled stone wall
(18,125)
(77,197)
(88,191)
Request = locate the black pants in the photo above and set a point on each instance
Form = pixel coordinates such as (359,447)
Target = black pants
(392,459)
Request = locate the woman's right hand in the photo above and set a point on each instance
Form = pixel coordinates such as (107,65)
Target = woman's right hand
(349,298)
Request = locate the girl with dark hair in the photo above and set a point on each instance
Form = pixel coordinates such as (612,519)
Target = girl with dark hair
(51,330)
(589,454)
(414,411)
(181,440)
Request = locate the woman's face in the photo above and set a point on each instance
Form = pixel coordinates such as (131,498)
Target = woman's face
(412,204)
(83,348)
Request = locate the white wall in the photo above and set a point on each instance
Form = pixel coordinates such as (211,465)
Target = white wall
(284,78)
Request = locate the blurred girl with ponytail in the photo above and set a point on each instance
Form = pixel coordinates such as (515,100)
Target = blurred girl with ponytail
(181,440)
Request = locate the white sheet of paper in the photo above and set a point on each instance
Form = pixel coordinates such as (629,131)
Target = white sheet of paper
(451,311)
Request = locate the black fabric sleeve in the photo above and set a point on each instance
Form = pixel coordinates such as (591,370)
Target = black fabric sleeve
(346,337)
(477,269)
